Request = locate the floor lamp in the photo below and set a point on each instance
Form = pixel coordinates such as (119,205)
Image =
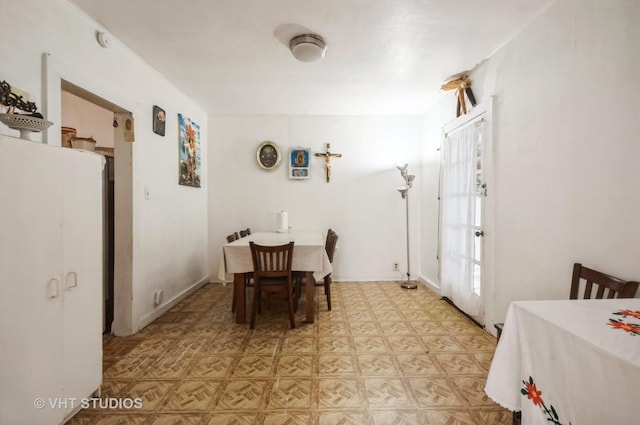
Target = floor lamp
(404,191)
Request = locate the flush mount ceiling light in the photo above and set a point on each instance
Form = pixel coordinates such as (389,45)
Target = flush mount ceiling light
(308,47)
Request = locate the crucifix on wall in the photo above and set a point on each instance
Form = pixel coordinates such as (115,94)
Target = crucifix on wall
(327,157)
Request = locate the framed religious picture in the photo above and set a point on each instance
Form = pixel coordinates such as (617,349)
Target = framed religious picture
(268,155)
(190,161)
(159,118)
(299,164)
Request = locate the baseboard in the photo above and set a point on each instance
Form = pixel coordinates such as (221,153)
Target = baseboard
(159,311)
(430,285)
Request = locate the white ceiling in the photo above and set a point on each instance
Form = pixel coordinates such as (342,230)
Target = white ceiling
(386,57)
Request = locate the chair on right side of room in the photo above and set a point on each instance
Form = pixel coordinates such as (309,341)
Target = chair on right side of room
(330,248)
(607,286)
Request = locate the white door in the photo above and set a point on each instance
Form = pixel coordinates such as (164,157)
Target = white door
(462,214)
(82,273)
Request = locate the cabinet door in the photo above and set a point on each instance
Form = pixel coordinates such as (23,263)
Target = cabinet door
(30,291)
(82,273)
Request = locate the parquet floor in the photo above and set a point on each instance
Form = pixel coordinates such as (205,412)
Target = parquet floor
(382,356)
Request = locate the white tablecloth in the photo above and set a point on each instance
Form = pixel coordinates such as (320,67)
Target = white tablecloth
(308,252)
(575,358)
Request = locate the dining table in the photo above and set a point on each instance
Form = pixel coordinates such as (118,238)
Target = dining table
(309,257)
(569,362)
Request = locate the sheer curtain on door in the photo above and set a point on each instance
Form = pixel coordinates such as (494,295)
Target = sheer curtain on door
(458,199)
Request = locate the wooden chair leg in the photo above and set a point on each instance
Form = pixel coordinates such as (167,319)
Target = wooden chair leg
(295,297)
(254,307)
(290,305)
(327,290)
(517,418)
(233,302)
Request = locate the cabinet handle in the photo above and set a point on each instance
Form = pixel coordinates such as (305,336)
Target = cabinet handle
(72,280)
(53,288)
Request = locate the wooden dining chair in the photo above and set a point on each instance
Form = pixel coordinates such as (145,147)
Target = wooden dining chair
(272,274)
(607,287)
(245,232)
(329,247)
(248,277)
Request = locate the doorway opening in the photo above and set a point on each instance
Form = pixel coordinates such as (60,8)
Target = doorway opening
(96,118)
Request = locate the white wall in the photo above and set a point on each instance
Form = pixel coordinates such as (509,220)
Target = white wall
(360,203)
(169,249)
(566,150)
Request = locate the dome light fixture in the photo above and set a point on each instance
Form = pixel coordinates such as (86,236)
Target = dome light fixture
(308,47)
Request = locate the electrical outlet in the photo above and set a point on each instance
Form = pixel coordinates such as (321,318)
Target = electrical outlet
(396,267)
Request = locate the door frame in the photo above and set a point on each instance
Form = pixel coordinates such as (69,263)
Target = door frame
(55,79)
(487,288)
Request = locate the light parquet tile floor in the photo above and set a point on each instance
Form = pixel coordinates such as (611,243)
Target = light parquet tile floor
(383,356)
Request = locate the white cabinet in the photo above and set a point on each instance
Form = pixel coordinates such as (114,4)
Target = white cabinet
(50,280)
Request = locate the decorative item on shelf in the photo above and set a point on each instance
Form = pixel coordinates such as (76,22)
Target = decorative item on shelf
(404,192)
(26,124)
(327,157)
(268,155)
(299,164)
(462,85)
(84,143)
(67,134)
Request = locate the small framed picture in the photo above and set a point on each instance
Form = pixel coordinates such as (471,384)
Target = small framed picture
(299,163)
(268,155)
(159,118)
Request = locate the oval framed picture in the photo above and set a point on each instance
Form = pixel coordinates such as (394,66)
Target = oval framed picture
(268,155)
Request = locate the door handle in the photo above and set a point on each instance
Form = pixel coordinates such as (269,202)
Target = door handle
(479,233)
(72,280)
(53,288)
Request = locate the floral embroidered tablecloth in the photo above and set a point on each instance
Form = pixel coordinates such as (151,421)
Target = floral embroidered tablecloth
(569,362)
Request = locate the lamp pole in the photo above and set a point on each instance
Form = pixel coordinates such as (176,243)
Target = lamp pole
(404,192)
